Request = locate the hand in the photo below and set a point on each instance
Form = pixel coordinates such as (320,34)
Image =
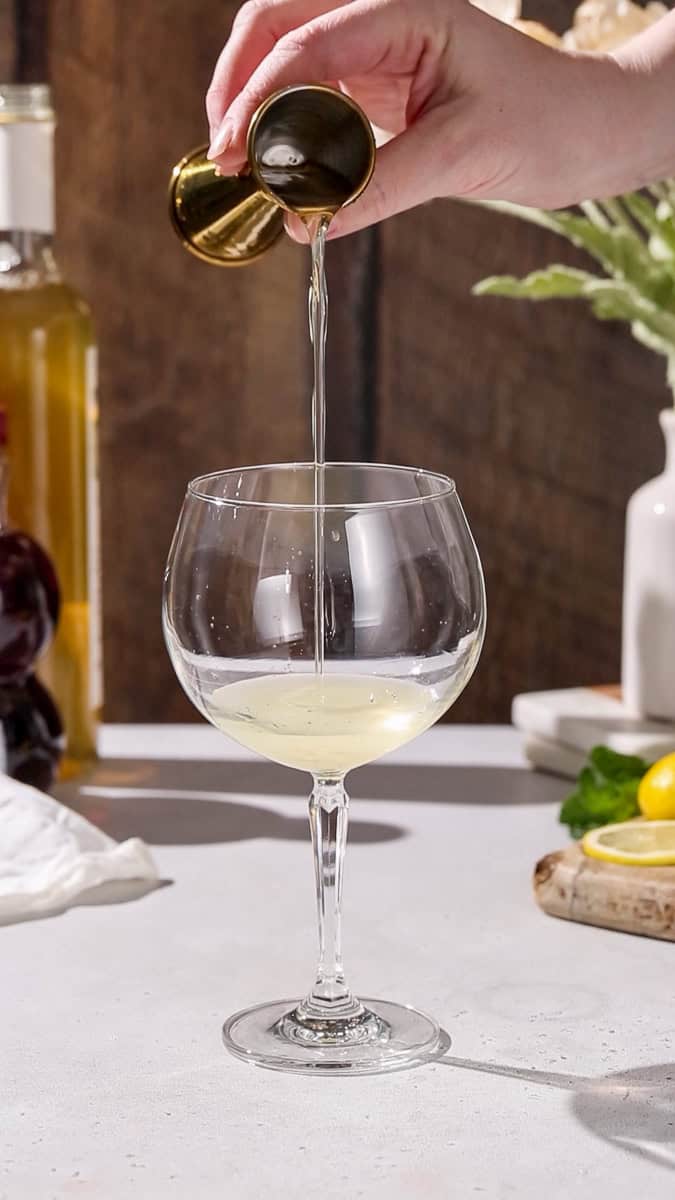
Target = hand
(474,108)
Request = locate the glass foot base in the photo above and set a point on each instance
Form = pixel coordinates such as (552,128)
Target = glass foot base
(386,1037)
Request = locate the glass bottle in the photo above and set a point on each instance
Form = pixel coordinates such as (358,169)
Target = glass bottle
(31,733)
(48,392)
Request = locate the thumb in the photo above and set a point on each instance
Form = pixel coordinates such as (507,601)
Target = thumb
(407,173)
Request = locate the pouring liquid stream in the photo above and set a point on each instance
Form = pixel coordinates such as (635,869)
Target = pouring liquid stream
(318,316)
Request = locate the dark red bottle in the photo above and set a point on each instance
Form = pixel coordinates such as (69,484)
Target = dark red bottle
(31,738)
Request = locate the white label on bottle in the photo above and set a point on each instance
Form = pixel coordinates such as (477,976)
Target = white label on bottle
(27,176)
(93,532)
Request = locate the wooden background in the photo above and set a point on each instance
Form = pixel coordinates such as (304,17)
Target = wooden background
(546,419)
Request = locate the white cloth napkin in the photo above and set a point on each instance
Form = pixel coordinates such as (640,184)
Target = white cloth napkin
(49,855)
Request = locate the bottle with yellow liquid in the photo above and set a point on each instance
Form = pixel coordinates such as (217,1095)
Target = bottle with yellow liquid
(48,393)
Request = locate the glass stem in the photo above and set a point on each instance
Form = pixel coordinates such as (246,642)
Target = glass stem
(328,816)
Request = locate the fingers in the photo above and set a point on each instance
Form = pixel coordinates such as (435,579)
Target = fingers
(352,39)
(406,174)
(258,26)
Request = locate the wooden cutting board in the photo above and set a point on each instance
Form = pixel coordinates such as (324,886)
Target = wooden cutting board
(641,900)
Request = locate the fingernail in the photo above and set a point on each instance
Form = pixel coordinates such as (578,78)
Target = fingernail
(221,139)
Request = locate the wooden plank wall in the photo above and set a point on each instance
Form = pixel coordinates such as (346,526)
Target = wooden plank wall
(547,420)
(200,368)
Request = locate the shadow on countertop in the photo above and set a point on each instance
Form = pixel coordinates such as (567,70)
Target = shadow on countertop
(632,1109)
(195,802)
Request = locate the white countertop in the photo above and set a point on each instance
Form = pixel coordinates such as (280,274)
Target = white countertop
(113,1081)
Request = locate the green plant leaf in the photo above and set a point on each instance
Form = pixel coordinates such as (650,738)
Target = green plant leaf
(606,791)
(610,766)
(656,221)
(619,247)
(551,283)
(646,337)
(670,374)
(594,211)
(535,216)
(661,285)
(633,239)
(620,251)
(613,300)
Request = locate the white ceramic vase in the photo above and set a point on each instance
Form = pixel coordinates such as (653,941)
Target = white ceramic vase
(648,652)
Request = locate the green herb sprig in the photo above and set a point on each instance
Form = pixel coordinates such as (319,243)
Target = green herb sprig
(606,791)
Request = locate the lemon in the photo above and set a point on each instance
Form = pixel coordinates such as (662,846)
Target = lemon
(656,791)
(633,843)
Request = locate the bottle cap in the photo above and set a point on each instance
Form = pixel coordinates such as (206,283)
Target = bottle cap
(26,158)
(25,102)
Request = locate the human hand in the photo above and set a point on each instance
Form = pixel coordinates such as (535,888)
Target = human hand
(474,108)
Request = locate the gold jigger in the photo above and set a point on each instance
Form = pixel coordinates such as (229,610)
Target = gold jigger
(310,151)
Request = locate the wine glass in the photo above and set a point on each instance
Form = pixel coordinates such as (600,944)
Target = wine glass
(399,631)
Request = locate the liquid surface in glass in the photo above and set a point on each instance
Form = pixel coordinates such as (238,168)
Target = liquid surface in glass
(324,724)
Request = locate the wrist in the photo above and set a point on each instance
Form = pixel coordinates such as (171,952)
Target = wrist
(604,131)
(573,131)
(604,128)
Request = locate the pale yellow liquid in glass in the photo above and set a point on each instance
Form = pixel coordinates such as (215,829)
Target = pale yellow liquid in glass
(46,367)
(324,724)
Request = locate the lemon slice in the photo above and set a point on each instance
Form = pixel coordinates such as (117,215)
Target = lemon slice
(633,843)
